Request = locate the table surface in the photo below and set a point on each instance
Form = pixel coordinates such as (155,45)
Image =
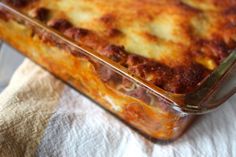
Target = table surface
(9,62)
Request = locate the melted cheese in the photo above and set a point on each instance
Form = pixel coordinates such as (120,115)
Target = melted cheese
(161,30)
(164,30)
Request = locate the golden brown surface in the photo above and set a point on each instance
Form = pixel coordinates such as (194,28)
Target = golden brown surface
(172,43)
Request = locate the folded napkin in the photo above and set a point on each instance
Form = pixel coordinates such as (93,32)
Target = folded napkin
(41,116)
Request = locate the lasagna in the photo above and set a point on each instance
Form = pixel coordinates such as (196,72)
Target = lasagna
(172,44)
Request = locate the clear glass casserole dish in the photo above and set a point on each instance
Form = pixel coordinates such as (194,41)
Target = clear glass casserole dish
(156,113)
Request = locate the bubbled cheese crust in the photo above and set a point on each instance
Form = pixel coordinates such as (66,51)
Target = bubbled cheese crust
(180,40)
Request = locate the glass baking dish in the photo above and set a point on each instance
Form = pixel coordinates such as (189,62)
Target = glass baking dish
(157,114)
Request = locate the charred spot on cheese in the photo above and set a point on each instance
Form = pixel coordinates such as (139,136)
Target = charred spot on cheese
(134,60)
(152,71)
(76,33)
(78,54)
(217,49)
(59,24)
(40,13)
(230,11)
(113,32)
(116,53)
(230,25)
(185,79)
(108,19)
(19,3)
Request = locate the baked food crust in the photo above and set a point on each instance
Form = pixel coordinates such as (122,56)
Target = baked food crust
(172,44)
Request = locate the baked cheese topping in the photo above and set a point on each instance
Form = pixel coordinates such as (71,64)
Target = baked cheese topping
(181,40)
